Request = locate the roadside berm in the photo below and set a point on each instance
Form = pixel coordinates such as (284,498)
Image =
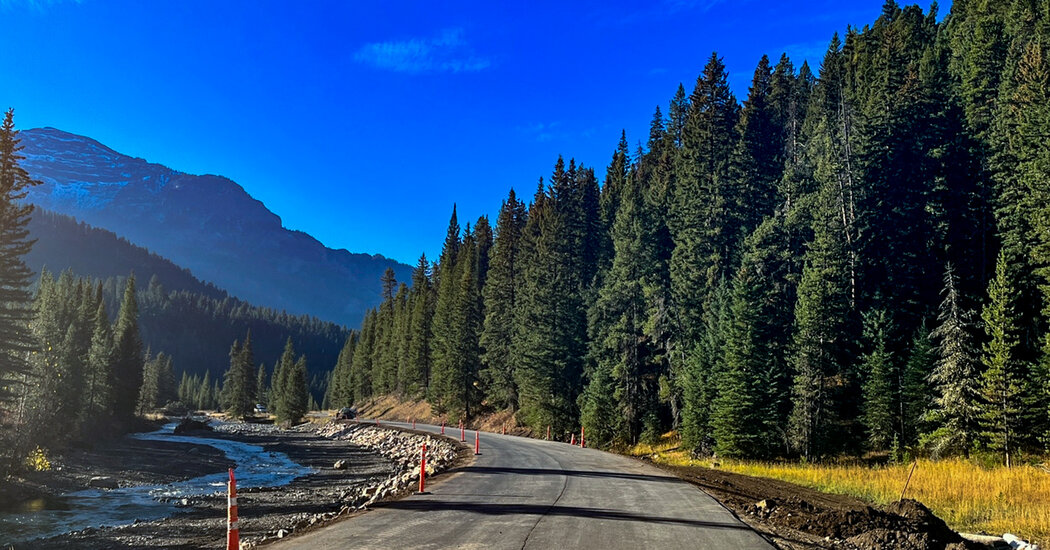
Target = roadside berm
(797,518)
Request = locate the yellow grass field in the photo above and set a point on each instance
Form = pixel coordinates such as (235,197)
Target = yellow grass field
(971,498)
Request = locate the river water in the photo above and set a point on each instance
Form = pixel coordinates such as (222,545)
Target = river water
(255,467)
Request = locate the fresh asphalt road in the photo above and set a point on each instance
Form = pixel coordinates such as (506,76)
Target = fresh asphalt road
(526,493)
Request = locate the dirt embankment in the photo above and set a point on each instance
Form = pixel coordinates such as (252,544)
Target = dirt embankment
(795,517)
(373,464)
(391,408)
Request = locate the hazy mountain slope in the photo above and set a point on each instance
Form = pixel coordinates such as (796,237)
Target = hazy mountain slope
(207,224)
(63,243)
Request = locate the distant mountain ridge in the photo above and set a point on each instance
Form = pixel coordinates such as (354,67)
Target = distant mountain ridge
(207,224)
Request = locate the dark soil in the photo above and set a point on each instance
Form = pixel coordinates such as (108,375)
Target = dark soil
(795,517)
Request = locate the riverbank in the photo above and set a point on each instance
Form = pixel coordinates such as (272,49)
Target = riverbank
(266,513)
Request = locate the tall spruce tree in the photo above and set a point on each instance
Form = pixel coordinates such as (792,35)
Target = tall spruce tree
(879,372)
(914,388)
(421,302)
(15,243)
(296,394)
(704,250)
(500,296)
(127,355)
(99,376)
(821,331)
(1002,383)
(954,413)
(549,342)
(700,375)
(443,325)
(617,323)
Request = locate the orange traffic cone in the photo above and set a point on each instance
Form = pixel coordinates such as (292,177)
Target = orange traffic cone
(233,531)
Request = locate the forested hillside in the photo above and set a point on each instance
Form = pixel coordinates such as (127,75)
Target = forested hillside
(193,322)
(65,243)
(851,259)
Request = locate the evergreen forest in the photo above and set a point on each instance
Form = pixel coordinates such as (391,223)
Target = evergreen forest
(855,257)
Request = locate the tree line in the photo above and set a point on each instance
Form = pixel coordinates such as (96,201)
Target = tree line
(854,260)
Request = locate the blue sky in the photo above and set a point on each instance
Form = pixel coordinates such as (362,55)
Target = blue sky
(362,122)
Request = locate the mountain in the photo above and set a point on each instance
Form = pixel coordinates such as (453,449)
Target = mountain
(205,223)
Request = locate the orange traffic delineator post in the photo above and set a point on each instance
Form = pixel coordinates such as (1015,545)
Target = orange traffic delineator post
(583,441)
(477,442)
(462,432)
(503,430)
(548,433)
(423,470)
(233,531)
(573,440)
(413,423)
(442,427)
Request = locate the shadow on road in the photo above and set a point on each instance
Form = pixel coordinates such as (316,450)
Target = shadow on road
(573,473)
(546,509)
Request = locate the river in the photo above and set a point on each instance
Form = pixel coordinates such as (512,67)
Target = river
(255,467)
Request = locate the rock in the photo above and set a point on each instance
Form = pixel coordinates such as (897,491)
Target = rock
(103,482)
(766,505)
(190,425)
(341,464)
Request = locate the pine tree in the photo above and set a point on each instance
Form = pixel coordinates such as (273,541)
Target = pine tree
(704,247)
(361,366)
(158,383)
(462,392)
(261,392)
(340,387)
(384,358)
(500,295)
(955,378)
(443,326)
(879,371)
(17,313)
(285,396)
(702,370)
(758,159)
(617,322)
(736,418)
(296,394)
(821,329)
(914,387)
(549,342)
(127,355)
(99,376)
(147,400)
(421,302)
(238,387)
(599,410)
(1002,383)
(204,397)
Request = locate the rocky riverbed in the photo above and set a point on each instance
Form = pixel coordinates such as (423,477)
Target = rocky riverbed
(351,467)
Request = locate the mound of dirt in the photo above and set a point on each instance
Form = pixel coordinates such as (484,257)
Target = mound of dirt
(188,425)
(795,517)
